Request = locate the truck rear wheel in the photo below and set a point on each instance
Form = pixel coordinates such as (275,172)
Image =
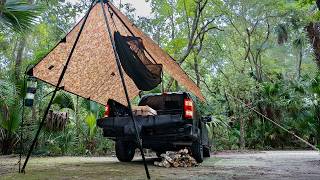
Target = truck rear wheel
(197,151)
(125,150)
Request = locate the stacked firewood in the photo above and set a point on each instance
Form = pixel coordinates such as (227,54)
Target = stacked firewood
(180,158)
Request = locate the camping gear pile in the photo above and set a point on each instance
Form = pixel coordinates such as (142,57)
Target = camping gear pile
(180,158)
(143,111)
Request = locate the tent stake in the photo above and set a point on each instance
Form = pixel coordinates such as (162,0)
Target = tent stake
(56,90)
(139,141)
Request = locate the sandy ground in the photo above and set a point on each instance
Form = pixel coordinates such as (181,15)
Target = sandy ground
(226,165)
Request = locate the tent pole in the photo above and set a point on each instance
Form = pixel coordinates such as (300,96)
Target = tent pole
(22,123)
(56,89)
(22,118)
(21,133)
(139,141)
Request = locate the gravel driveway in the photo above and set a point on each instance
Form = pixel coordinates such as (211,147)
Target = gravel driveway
(224,165)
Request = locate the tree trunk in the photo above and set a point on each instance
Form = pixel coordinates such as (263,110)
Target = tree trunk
(242,134)
(18,61)
(313,31)
(2,2)
(171,80)
(262,120)
(196,69)
(299,63)
(20,51)
(13,55)
(176,84)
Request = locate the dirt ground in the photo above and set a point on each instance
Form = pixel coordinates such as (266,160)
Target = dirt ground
(224,165)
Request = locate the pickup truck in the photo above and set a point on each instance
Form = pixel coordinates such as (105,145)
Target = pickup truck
(176,125)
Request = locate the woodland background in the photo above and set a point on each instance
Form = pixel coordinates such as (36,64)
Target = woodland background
(244,54)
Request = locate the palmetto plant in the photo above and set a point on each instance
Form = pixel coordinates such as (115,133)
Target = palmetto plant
(215,124)
(10,115)
(91,123)
(62,142)
(93,110)
(18,15)
(64,100)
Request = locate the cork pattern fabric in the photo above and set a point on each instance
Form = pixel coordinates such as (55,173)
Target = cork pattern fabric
(92,72)
(160,56)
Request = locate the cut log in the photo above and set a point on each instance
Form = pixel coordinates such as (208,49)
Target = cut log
(175,164)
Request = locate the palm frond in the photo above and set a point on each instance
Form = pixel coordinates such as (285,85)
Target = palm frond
(10,108)
(19,15)
(8,93)
(91,123)
(215,123)
(298,43)
(64,100)
(90,106)
(12,120)
(282,33)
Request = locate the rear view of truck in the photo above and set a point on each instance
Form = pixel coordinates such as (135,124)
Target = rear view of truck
(169,122)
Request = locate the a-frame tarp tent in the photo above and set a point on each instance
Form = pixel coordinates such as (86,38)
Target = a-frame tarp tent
(92,72)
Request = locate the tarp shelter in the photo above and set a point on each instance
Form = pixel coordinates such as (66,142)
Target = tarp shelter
(92,72)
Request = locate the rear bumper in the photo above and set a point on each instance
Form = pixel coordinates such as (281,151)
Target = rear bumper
(169,137)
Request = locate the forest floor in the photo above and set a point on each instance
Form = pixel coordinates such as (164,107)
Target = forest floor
(223,165)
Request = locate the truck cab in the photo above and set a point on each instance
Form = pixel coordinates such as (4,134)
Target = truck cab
(176,124)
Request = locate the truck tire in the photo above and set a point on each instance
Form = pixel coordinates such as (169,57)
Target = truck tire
(197,151)
(125,150)
(206,151)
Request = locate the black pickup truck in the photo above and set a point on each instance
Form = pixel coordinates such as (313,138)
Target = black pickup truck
(177,125)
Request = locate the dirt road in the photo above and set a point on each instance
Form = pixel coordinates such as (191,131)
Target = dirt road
(256,165)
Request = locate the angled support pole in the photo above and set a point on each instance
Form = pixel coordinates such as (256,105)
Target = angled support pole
(22,118)
(56,89)
(139,141)
(21,131)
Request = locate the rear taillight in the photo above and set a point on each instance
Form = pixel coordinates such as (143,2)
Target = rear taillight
(188,108)
(107,111)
